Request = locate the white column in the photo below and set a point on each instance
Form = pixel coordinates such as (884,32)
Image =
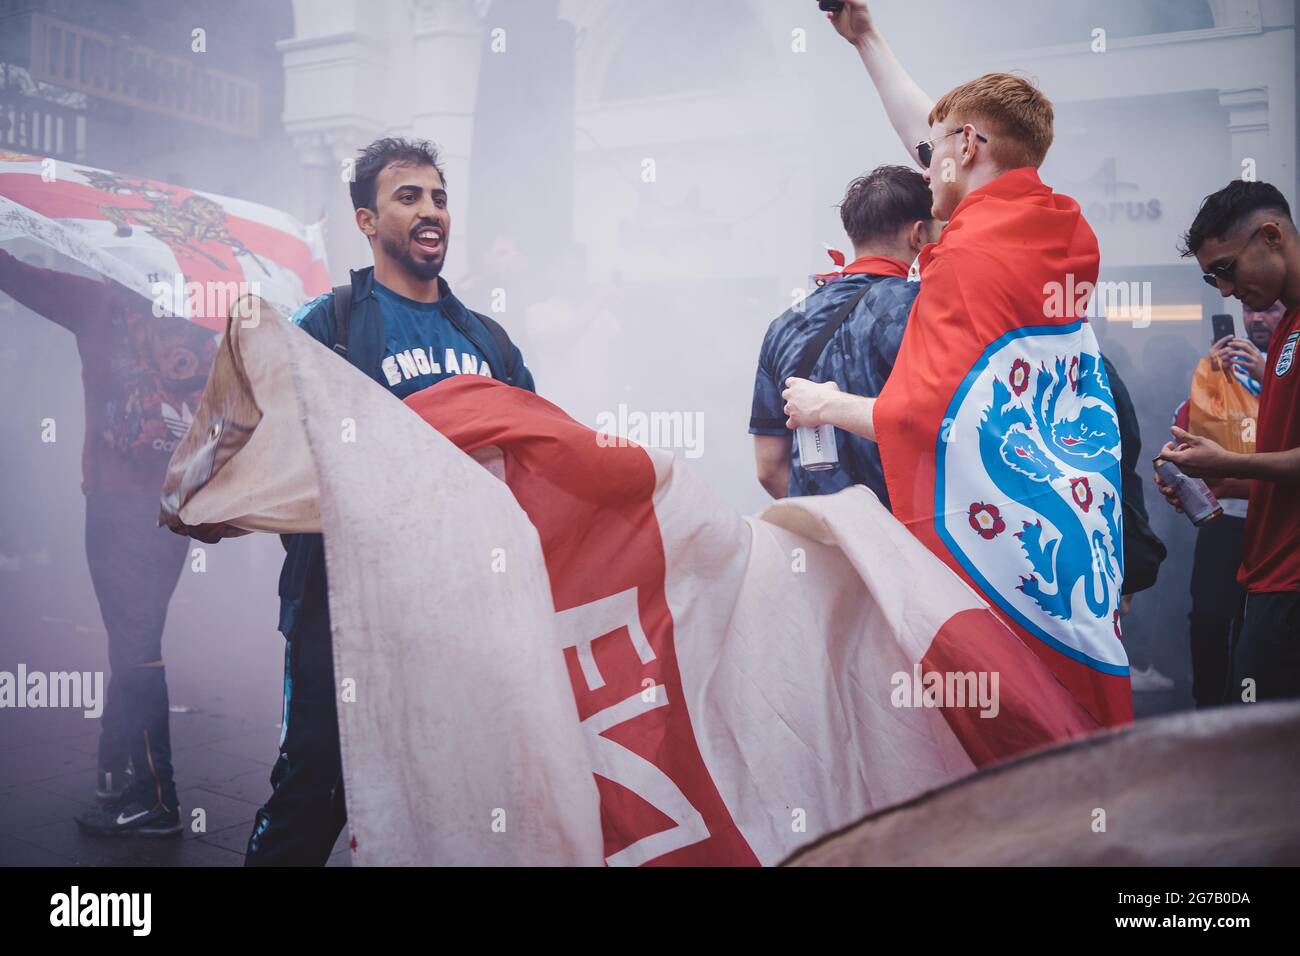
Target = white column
(446,50)
(335,74)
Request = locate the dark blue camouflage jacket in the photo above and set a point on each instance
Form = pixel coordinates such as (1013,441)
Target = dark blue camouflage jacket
(858,358)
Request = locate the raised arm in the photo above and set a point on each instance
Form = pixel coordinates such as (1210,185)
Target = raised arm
(905,103)
(70,300)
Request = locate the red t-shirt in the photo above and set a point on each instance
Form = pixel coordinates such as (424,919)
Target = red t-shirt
(1270,559)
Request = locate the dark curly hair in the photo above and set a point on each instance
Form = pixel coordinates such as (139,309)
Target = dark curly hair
(1221,212)
(878,204)
(403,152)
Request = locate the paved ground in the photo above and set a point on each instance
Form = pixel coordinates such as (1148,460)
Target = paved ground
(48,772)
(224,671)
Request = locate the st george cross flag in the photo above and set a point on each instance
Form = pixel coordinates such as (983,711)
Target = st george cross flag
(190,252)
(563,648)
(999,435)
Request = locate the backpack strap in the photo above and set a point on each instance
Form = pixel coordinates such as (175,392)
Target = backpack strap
(342,312)
(813,351)
(501,339)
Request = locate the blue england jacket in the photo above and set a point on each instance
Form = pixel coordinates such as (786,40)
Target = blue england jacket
(302,579)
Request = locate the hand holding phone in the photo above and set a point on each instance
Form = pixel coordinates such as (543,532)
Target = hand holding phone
(1223,327)
(1243,354)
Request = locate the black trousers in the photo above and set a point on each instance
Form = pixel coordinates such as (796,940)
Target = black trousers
(134,566)
(1216,598)
(306,812)
(1267,648)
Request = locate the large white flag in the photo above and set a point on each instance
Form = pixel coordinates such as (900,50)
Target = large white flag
(566,650)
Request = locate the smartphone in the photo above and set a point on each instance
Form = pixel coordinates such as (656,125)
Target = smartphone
(1223,325)
(831,6)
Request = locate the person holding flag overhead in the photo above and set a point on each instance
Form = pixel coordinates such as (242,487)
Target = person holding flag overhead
(143,376)
(167,257)
(998,428)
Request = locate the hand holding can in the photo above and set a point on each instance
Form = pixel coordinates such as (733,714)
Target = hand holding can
(1193,496)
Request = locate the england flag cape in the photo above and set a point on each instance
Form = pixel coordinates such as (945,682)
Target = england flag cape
(999,435)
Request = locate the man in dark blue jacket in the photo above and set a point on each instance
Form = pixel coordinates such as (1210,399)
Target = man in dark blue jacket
(400,324)
(886,214)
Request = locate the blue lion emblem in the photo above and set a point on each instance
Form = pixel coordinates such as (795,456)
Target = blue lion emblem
(1022,450)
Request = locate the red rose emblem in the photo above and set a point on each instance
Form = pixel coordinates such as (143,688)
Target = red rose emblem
(1082,492)
(1019,376)
(986,520)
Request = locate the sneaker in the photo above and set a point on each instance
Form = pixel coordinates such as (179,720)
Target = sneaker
(111,785)
(130,817)
(1149,680)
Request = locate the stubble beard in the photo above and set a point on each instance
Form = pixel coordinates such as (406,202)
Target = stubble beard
(424,271)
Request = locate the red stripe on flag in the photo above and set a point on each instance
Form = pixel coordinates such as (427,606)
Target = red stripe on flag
(285,249)
(201,258)
(1032,709)
(594,512)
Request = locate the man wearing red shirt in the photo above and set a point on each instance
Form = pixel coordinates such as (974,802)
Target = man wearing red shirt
(1216,595)
(1245,240)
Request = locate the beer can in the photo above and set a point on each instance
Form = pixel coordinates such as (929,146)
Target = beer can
(817,451)
(1194,495)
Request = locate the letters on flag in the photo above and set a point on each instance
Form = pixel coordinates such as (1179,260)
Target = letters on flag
(566,650)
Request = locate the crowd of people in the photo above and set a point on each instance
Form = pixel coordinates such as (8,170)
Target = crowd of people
(1245,620)
(973,230)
